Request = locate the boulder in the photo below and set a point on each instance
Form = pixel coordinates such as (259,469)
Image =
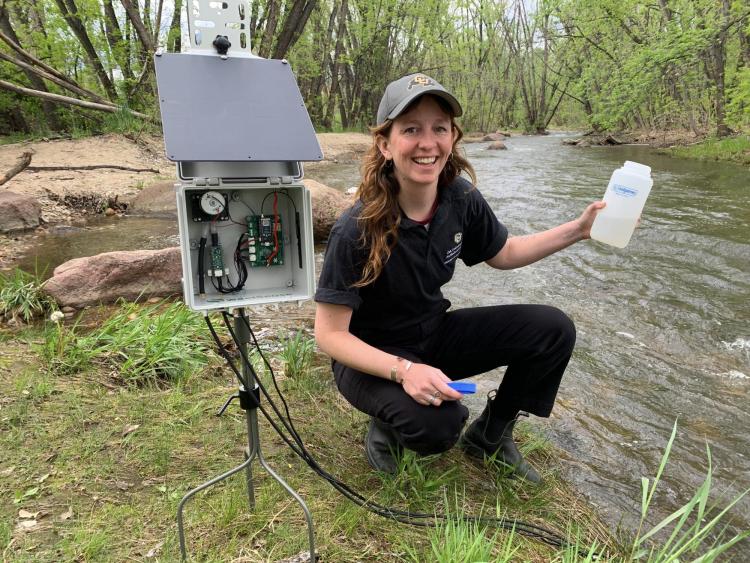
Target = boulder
(106,277)
(327,205)
(497,146)
(503,133)
(493,137)
(155,199)
(18,212)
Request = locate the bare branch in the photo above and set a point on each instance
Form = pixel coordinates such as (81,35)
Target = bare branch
(53,78)
(70,101)
(23,162)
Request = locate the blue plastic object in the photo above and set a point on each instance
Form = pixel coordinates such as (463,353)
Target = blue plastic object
(465,387)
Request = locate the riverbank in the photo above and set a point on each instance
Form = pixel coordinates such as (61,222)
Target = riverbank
(679,143)
(732,149)
(94,467)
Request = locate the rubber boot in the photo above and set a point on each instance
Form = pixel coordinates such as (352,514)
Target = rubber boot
(382,447)
(504,450)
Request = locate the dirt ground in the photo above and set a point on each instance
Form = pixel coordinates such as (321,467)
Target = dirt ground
(65,194)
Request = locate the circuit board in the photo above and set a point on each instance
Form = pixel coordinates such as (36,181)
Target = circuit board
(261,242)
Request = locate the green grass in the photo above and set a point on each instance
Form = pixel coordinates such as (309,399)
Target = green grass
(141,344)
(21,296)
(733,149)
(118,458)
(297,353)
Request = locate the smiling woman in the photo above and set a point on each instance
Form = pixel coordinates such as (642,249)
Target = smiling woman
(381,314)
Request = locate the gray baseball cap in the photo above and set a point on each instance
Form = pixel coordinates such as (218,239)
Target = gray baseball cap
(400,93)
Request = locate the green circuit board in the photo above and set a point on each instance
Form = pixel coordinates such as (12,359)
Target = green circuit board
(261,243)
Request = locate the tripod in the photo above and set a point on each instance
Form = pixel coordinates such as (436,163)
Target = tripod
(249,401)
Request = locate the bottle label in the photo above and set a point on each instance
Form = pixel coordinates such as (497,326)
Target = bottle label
(624,191)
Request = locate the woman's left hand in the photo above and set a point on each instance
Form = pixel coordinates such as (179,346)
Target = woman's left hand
(587,218)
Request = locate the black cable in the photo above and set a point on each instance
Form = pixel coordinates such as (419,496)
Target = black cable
(538,532)
(263,202)
(407,517)
(240,267)
(201,266)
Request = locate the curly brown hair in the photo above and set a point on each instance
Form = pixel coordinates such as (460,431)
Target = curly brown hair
(380,216)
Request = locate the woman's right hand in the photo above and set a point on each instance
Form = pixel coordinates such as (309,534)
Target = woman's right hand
(428,385)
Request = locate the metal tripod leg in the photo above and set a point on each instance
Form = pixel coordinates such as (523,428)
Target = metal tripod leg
(253,438)
(252,429)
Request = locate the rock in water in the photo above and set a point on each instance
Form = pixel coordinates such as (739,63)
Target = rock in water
(497,146)
(18,212)
(493,137)
(104,278)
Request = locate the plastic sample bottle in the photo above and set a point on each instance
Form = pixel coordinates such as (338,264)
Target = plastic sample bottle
(626,195)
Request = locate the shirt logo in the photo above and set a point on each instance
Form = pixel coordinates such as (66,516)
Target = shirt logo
(457,237)
(420,80)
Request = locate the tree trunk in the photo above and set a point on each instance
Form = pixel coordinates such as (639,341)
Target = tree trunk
(294,23)
(114,38)
(15,120)
(134,16)
(49,109)
(336,65)
(174,42)
(69,11)
(67,100)
(264,49)
(52,78)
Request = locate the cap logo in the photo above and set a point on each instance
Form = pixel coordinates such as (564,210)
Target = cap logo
(420,80)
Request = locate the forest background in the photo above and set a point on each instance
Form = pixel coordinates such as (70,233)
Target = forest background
(599,65)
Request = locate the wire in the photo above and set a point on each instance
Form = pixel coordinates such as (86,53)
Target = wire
(275,230)
(201,266)
(296,444)
(262,203)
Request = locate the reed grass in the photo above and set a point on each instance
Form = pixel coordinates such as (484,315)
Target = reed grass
(21,296)
(296,353)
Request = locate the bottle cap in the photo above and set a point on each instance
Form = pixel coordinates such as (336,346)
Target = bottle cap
(638,168)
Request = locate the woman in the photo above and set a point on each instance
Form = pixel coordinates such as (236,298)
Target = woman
(381,315)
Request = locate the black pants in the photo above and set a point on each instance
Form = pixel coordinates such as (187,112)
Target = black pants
(534,341)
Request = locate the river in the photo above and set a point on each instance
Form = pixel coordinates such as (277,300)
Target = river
(663,330)
(663,325)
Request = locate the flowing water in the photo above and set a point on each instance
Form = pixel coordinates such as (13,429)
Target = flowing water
(663,330)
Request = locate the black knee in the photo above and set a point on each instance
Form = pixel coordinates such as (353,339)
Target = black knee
(433,430)
(565,330)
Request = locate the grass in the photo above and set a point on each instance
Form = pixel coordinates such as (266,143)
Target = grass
(21,296)
(141,344)
(297,353)
(99,468)
(733,149)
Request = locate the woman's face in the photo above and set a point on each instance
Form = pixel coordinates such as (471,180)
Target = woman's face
(419,143)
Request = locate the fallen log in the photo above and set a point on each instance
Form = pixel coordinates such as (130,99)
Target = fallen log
(23,162)
(91,167)
(5,85)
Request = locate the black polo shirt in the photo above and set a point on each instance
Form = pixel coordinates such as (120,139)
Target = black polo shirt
(408,291)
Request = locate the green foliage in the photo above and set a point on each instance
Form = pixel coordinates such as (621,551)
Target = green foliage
(738,108)
(297,354)
(734,149)
(22,297)
(141,343)
(461,541)
(688,527)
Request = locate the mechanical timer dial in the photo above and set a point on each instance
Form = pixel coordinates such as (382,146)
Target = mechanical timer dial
(212,203)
